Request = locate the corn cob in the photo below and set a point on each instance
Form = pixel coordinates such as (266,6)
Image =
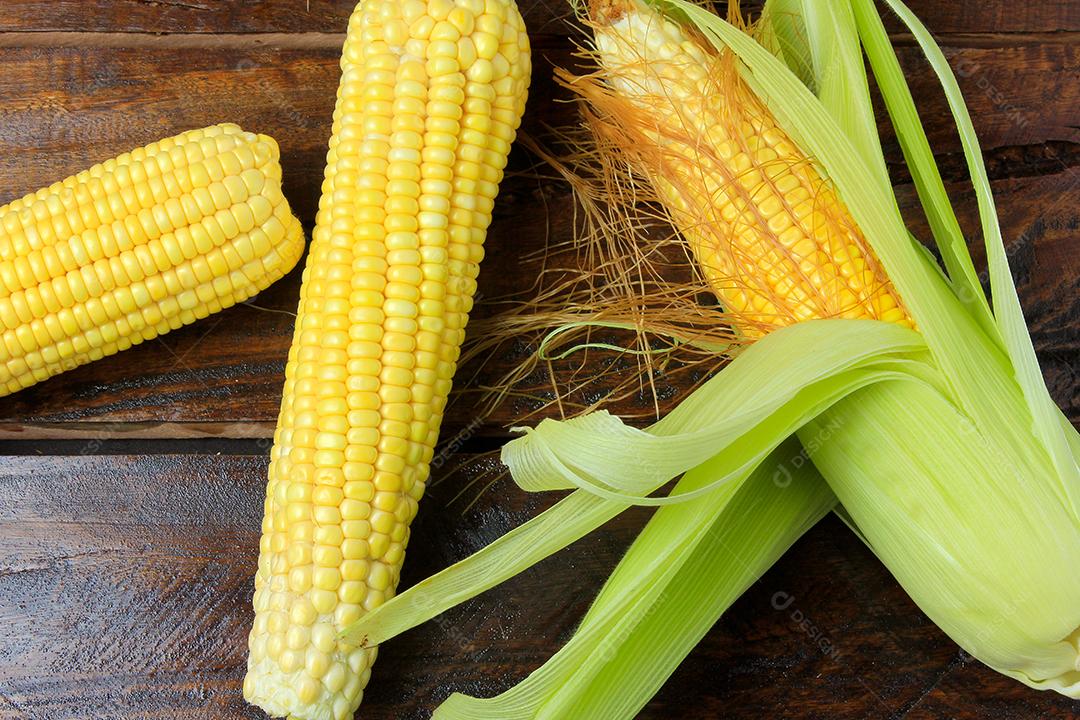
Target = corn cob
(137,246)
(779,246)
(431,95)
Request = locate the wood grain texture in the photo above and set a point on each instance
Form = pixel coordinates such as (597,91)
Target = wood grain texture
(1012,99)
(64,108)
(125,586)
(125,580)
(218,16)
(224,16)
(222,377)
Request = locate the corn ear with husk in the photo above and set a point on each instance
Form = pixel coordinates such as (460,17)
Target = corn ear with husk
(921,405)
(896,444)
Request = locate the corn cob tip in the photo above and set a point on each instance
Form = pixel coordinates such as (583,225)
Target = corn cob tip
(607,11)
(271,145)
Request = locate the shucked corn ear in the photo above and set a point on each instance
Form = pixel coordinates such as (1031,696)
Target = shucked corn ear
(138,246)
(431,95)
(769,233)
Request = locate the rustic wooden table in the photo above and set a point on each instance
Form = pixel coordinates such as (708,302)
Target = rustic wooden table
(131,490)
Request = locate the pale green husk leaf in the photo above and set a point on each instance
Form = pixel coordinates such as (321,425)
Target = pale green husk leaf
(699,557)
(1007,311)
(937,501)
(733,421)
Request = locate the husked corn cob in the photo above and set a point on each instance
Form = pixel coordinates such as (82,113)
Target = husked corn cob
(779,246)
(431,95)
(137,246)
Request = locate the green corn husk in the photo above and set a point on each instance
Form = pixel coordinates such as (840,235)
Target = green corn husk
(711,549)
(943,446)
(968,495)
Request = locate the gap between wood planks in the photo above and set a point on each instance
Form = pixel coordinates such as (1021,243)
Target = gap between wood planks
(200,41)
(88,438)
(72,445)
(334,41)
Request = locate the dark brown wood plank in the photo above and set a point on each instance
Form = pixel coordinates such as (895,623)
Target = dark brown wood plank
(979,16)
(192,16)
(965,675)
(64,108)
(1017,95)
(120,592)
(222,377)
(219,16)
(125,589)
